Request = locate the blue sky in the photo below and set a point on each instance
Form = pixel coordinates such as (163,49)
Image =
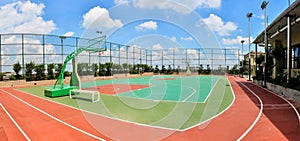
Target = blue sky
(144,23)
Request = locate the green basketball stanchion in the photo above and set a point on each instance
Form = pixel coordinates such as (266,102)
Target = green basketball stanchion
(59,89)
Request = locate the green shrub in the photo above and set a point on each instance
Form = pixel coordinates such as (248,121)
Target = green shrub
(1,76)
(12,77)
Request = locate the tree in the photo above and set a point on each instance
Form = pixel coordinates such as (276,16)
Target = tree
(234,70)
(108,67)
(259,73)
(28,70)
(170,70)
(208,70)
(200,70)
(17,68)
(101,70)
(116,67)
(163,69)
(50,70)
(1,76)
(125,66)
(40,71)
(58,69)
(156,69)
(95,69)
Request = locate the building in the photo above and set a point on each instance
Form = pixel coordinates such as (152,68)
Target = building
(253,65)
(284,36)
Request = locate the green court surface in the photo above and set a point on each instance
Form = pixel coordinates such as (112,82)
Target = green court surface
(174,88)
(172,102)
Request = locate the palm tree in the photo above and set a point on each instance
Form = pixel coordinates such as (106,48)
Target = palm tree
(28,70)
(50,71)
(40,71)
(17,68)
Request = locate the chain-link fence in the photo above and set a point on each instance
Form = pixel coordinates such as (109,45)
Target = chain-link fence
(48,49)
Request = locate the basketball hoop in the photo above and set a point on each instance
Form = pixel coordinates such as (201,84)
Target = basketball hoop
(188,71)
(101,53)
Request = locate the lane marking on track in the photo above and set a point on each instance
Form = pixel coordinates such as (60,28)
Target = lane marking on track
(16,124)
(295,109)
(60,121)
(258,116)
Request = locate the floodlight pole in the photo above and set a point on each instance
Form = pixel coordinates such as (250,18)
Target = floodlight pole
(242,57)
(99,36)
(264,7)
(62,48)
(249,15)
(288,41)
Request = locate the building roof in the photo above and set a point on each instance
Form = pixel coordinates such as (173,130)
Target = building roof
(277,29)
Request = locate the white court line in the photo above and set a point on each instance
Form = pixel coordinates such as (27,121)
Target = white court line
(258,116)
(297,113)
(12,119)
(71,126)
(190,94)
(211,90)
(82,110)
(217,114)
(146,125)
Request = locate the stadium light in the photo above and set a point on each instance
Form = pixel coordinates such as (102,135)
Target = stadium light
(242,41)
(264,7)
(249,15)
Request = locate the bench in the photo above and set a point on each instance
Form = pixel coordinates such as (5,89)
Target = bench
(93,93)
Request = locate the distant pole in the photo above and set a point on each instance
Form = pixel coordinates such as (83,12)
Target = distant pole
(289,55)
(264,7)
(0,55)
(62,48)
(249,15)
(99,36)
(255,59)
(242,57)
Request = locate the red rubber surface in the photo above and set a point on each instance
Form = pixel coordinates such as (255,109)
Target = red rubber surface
(278,121)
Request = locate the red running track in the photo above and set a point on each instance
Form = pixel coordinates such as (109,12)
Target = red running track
(230,125)
(278,115)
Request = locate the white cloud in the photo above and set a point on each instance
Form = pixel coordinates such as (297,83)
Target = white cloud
(186,38)
(218,25)
(69,34)
(180,6)
(99,17)
(150,25)
(173,49)
(36,47)
(236,41)
(25,17)
(191,51)
(118,2)
(157,47)
(261,16)
(173,39)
